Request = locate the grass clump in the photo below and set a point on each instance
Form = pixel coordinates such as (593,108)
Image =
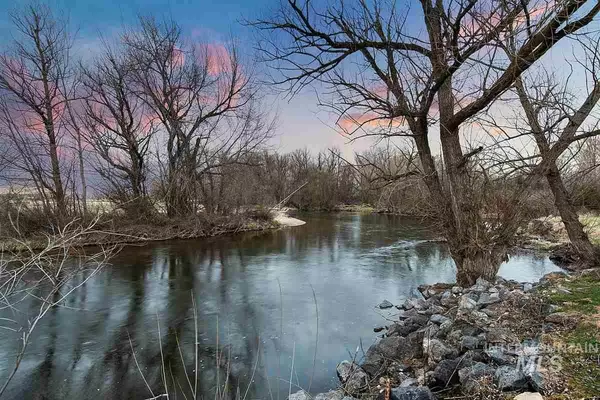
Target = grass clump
(581,358)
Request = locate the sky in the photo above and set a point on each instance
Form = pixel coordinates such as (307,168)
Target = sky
(301,123)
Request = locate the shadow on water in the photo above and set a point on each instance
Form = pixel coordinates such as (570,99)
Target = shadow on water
(255,311)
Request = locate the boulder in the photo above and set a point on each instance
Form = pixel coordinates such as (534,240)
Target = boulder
(488,298)
(331,395)
(299,395)
(385,304)
(418,304)
(469,376)
(527,287)
(475,371)
(537,381)
(412,393)
(466,303)
(447,299)
(471,343)
(437,350)
(480,318)
(353,377)
(402,329)
(374,362)
(498,356)
(392,348)
(446,373)
(378,329)
(508,378)
(438,319)
(404,314)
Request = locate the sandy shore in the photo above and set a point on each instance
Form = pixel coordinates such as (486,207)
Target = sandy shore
(282,217)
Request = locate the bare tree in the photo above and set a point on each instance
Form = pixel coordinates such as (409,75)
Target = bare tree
(33,75)
(118,125)
(408,79)
(190,89)
(556,117)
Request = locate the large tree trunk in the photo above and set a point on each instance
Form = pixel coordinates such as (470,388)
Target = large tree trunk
(579,239)
(477,263)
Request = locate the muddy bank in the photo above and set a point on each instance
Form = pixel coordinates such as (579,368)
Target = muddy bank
(136,233)
(490,341)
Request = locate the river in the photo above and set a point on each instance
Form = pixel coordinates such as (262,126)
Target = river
(266,303)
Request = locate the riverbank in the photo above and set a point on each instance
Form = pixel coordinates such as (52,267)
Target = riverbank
(490,341)
(113,231)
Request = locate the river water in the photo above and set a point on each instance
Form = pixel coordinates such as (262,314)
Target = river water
(273,310)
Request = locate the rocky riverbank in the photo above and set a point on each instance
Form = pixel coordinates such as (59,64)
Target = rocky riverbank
(495,340)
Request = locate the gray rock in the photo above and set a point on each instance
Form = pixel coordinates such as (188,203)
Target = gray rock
(412,393)
(498,356)
(445,374)
(445,327)
(481,285)
(385,304)
(331,395)
(409,382)
(374,362)
(466,303)
(418,304)
(467,329)
(456,290)
(353,377)
(474,372)
(447,299)
(404,314)
(488,298)
(480,318)
(482,282)
(433,309)
(537,382)
(508,378)
(404,328)
(469,376)
(437,350)
(471,343)
(438,319)
(299,395)
(527,287)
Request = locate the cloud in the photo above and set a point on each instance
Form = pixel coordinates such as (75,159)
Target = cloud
(352,122)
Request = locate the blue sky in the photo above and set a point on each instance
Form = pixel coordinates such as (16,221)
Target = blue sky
(301,124)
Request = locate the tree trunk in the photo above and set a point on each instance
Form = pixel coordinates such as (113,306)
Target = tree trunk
(579,239)
(473,264)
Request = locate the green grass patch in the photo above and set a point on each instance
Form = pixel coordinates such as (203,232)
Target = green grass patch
(584,296)
(581,360)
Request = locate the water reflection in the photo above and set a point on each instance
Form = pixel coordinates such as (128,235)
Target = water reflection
(255,311)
